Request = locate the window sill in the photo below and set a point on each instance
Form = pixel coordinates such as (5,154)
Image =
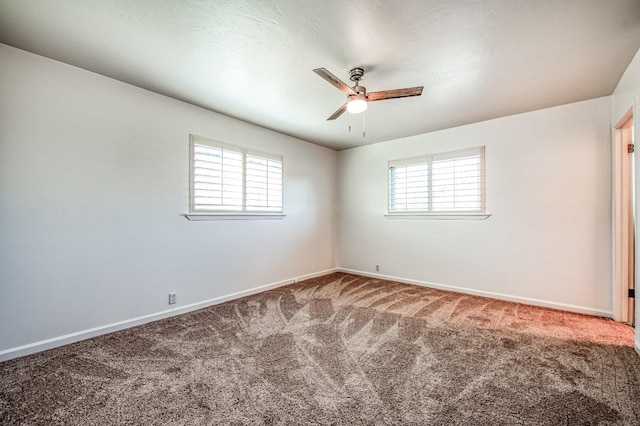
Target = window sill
(233,216)
(439,216)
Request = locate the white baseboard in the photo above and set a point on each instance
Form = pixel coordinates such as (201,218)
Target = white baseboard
(314,275)
(500,296)
(637,347)
(54,342)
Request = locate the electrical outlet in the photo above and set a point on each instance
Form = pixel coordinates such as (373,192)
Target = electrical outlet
(173,298)
(377,268)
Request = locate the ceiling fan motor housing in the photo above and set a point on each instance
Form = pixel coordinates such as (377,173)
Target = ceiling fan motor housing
(359,89)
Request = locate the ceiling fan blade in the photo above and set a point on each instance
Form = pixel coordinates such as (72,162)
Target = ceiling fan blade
(395,93)
(338,113)
(335,81)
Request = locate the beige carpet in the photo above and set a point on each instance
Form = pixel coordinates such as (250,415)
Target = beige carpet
(339,349)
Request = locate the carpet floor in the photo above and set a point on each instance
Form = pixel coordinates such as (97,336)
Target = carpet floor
(338,349)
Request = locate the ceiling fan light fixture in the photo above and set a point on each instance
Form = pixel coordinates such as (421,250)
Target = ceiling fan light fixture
(357,104)
(357,96)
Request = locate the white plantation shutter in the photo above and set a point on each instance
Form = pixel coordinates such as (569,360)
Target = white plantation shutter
(440,183)
(227,178)
(264,183)
(409,186)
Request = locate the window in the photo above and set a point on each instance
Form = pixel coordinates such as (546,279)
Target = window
(234,180)
(451,182)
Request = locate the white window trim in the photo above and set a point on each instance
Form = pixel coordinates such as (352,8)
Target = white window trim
(196,217)
(444,215)
(227,214)
(440,216)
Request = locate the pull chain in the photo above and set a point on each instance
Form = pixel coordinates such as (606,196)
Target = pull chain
(363,124)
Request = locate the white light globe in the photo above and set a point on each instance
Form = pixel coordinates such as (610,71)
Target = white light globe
(357,104)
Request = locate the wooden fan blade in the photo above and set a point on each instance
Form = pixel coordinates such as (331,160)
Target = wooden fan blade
(335,81)
(338,113)
(395,93)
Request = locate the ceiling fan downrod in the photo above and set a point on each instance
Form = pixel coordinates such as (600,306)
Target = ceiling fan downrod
(355,75)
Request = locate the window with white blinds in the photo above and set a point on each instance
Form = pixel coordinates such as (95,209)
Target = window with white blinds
(232,179)
(451,182)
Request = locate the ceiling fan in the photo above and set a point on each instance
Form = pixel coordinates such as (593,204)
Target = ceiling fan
(357,96)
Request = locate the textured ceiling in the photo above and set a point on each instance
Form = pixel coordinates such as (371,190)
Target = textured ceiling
(477,59)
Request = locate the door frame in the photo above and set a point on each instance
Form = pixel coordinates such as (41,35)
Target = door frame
(623,206)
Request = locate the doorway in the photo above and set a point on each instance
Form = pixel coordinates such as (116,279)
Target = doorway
(624,214)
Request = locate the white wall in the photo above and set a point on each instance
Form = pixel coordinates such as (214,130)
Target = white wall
(93,183)
(626,96)
(548,187)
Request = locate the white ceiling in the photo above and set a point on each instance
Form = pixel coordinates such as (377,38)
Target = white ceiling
(252,59)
